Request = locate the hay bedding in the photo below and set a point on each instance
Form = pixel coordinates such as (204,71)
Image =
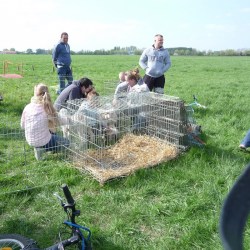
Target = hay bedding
(132,152)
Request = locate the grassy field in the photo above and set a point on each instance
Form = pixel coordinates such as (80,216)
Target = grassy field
(175,205)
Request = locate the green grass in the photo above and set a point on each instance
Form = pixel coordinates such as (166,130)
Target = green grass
(175,205)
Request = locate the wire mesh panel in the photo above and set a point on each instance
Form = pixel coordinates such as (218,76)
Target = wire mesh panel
(19,167)
(97,129)
(108,87)
(12,142)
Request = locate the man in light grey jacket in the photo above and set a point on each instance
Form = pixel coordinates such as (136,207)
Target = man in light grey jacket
(156,62)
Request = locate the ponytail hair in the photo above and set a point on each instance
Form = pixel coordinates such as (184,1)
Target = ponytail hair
(42,95)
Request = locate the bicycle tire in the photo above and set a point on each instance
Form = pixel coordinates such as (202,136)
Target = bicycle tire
(16,242)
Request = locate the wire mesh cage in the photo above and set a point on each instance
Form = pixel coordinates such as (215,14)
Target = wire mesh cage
(109,136)
(106,131)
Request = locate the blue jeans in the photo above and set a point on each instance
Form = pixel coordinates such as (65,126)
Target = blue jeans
(246,140)
(64,73)
(57,143)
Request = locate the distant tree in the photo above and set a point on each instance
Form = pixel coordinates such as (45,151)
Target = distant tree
(29,51)
(210,52)
(230,52)
(247,52)
(194,52)
(222,53)
(133,50)
(201,53)
(187,52)
(138,52)
(216,53)
(41,51)
(12,49)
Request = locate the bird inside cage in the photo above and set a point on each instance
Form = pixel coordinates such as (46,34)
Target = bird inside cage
(108,120)
(139,123)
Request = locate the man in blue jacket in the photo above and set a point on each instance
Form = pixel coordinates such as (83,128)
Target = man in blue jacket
(62,60)
(155,61)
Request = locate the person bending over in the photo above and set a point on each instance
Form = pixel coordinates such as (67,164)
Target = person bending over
(77,90)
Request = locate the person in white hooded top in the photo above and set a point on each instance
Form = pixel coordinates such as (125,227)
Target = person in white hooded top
(156,62)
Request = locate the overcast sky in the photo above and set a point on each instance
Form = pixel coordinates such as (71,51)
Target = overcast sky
(104,24)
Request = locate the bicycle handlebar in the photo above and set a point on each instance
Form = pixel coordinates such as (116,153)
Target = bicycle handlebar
(67,194)
(77,234)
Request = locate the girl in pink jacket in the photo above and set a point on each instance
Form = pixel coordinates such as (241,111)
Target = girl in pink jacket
(39,120)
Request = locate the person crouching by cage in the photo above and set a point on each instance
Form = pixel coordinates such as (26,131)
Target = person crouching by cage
(133,83)
(39,120)
(77,90)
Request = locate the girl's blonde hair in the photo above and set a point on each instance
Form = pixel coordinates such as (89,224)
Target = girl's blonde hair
(42,96)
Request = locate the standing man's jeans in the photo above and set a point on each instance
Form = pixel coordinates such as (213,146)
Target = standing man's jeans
(64,73)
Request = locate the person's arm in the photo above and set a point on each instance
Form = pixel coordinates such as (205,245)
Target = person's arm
(167,63)
(55,55)
(121,87)
(60,100)
(143,60)
(120,92)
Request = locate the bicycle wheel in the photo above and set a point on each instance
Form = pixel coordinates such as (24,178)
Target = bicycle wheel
(16,242)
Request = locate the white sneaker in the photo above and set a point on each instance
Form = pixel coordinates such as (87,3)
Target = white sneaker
(39,153)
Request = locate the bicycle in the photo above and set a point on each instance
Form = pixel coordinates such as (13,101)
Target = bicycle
(77,237)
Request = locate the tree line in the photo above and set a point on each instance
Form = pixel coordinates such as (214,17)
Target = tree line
(132,50)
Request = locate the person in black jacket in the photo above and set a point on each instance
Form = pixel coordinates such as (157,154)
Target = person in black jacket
(77,90)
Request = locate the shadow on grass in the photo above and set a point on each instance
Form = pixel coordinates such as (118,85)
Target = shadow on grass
(101,243)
